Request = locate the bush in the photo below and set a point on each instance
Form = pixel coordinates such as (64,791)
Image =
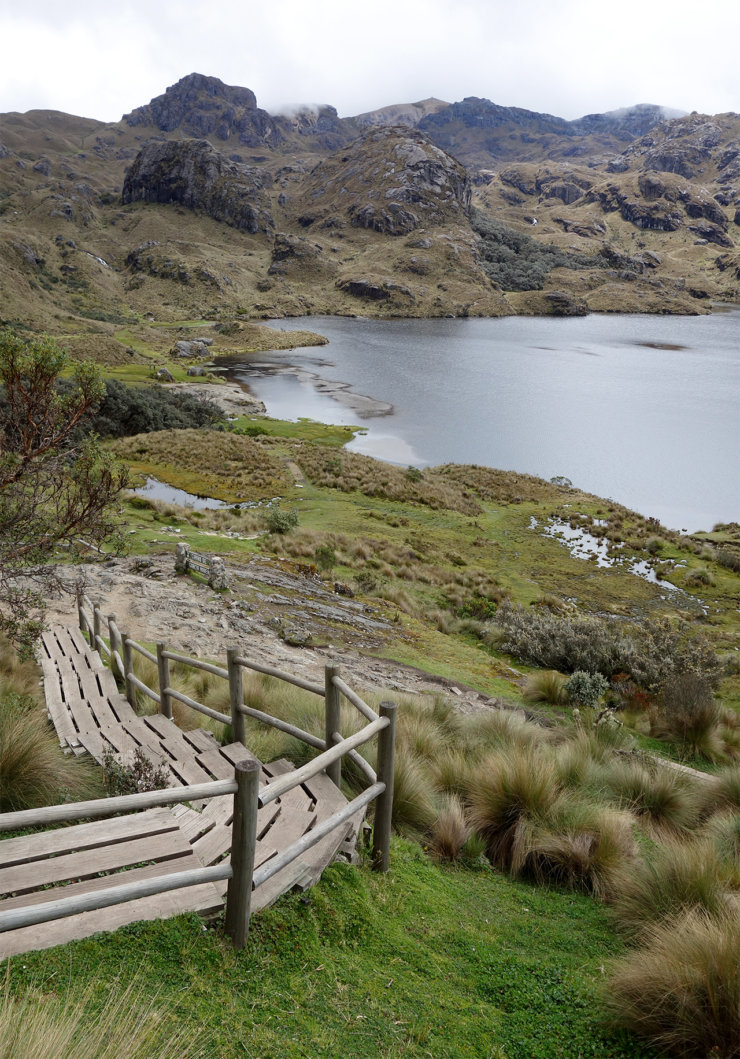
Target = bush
(649,652)
(127,410)
(585,689)
(687,713)
(280,521)
(141,775)
(681,989)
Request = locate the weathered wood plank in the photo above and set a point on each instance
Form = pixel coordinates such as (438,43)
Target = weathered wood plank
(135,850)
(84,836)
(201,739)
(204,899)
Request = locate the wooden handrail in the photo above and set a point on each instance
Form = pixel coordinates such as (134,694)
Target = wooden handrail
(270,671)
(69,906)
(101,807)
(354,698)
(283,784)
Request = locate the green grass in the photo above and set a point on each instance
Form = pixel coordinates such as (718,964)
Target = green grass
(425,961)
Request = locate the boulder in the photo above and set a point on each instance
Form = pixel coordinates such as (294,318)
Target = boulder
(194,174)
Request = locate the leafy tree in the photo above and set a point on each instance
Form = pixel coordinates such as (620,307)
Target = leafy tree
(53,489)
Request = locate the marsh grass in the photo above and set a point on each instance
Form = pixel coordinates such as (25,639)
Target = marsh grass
(33,769)
(674,878)
(681,989)
(662,798)
(131,1023)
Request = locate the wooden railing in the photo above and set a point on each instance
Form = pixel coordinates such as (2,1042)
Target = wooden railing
(248,796)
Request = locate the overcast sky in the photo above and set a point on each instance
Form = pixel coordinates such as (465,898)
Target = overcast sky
(568,58)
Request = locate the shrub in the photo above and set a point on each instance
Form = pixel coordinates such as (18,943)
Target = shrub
(686,712)
(326,557)
(278,520)
(127,410)
(585,689)
(141,775)
(681,988)
(649,652)
(728,558)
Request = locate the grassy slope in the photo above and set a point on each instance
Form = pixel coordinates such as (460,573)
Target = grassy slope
(425,961)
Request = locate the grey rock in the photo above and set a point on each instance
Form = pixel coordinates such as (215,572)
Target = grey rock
(194,174)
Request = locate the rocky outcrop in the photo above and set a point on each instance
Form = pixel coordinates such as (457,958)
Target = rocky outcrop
(193,174)
(201,107)
(391,181)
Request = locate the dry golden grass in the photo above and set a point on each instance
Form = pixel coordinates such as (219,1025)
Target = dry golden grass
(43,1026)
(681,989)
(350,472)
(226,466)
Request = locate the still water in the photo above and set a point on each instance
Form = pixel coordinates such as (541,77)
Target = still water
(642,409)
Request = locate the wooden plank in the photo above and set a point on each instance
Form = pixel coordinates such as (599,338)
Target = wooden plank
(204,899)
(269,892)
(58,712)
(101,882)
(136,850)
(235,753)
(84,836)
(201,739)
(99,706)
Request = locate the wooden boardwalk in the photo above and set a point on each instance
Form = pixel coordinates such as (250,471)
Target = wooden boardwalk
(91,716)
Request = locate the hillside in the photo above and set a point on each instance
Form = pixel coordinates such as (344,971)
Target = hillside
(200,204)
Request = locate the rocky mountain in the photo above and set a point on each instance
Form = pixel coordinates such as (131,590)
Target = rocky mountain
(201,204)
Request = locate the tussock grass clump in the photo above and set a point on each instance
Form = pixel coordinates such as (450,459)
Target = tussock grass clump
(663,798)
(681,989)
(577,844)
(727,789)
(723,831)
(674,878)
(33,769)
(503,728)
(547,686)
(450,831)
(414,808)
(130,1024)
(510,787)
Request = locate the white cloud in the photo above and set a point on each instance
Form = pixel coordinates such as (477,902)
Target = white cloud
(567,59)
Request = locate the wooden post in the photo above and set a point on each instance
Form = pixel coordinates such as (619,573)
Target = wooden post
(243,842)
(163,672)
(81,614)
(384,804)
(115,644)
(332,718)
(97,627)
(236,697)
(128,668)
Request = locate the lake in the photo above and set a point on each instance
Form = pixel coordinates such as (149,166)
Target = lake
(642,409)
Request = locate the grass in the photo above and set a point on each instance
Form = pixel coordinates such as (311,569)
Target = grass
(681,991)
(46,1025)
(424,961)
